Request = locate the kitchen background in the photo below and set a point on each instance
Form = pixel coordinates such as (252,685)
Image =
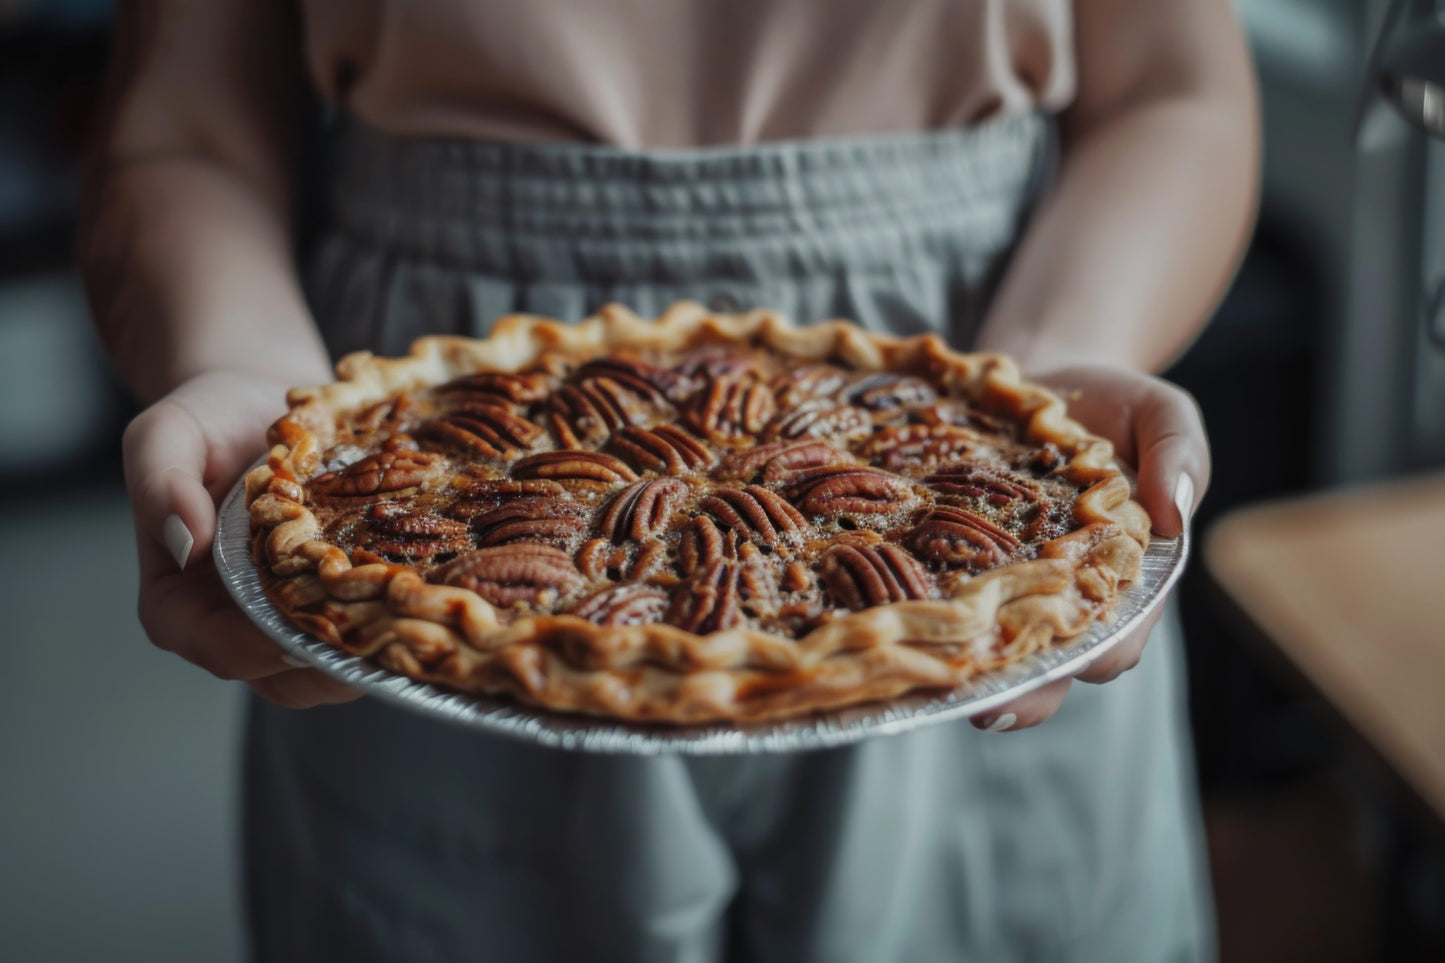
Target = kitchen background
(118,762)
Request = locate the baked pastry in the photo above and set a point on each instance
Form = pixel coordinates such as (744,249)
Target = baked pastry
(699,518)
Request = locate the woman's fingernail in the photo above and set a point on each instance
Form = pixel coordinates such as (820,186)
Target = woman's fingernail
(179,540)
(1184,499)
(1003,723)
(295,661)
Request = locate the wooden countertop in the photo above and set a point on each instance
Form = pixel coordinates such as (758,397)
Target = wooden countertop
(1350,586)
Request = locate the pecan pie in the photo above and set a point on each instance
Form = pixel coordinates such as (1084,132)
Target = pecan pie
(699,518)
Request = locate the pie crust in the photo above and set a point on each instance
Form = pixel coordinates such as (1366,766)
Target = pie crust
(720,518)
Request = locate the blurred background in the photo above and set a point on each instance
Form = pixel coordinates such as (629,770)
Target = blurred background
(1323,368)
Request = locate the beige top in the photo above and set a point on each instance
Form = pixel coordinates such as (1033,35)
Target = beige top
(642,74)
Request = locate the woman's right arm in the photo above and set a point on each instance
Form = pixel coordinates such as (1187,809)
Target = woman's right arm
(187,257)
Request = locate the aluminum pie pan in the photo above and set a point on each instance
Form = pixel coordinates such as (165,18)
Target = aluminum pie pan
(1161,567)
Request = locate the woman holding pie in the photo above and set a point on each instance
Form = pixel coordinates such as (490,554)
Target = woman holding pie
(1068,183)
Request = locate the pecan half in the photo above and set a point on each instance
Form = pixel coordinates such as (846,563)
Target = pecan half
(646,381)
(575,469)
(489,430)
(400,530)
(506,575)
(703,543)
(551,521)
(861,576)
(719,597)
(731,409)
(390,415)
(661,448)
(885,389)
(834,489)
(717,360)
(757,581)
(919,447)
(624,605)
(955,536)
(756,514)
(993,487)
(820,419)
(586,412)
(498,387)
(600,559)
(956,411)
(642,510)
(478,494)
(809,382)
(393,470)
(779,459)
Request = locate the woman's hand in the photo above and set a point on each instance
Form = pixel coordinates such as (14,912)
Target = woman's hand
(182,454)
(1156,428)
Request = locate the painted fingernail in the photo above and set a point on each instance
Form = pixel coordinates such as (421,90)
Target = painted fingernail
(1003,723)
(1184,498)
(179,540)
(295,661)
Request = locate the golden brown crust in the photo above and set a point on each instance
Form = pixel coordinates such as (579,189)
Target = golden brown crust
(452,636)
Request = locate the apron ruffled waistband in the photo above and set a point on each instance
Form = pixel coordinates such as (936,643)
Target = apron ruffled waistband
(593,214)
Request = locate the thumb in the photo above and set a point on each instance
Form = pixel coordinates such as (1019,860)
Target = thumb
(165,465)
(1173,458)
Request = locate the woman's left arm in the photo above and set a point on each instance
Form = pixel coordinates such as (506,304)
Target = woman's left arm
(1127,258)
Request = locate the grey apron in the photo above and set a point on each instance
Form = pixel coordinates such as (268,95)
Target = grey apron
(373,834)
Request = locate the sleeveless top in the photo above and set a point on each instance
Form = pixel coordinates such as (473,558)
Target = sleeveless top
(659,74)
